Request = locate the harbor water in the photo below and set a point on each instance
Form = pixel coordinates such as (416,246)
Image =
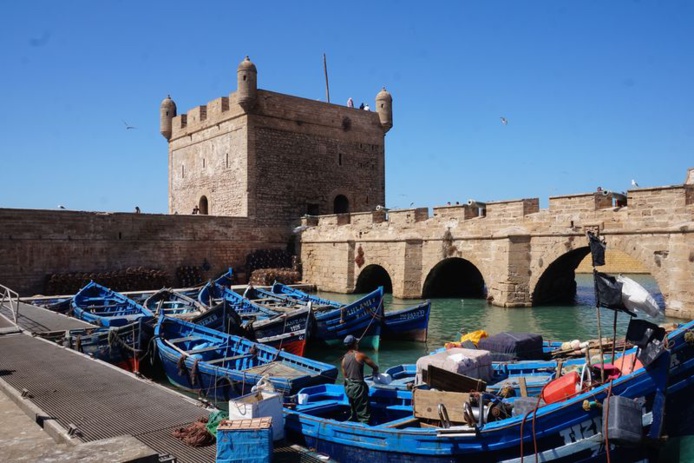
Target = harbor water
(451,317)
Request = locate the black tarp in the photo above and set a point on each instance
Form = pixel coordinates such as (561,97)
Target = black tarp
(597,249)
(608,292)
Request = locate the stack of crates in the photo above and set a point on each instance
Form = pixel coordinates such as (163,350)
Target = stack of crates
(244,441)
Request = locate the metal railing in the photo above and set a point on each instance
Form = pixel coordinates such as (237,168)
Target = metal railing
(10,299)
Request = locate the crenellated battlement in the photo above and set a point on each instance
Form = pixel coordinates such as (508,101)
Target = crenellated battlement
(643,206)
(205,116)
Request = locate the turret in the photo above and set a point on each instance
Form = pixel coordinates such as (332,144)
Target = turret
(384,108)
(167,111)
(247,82)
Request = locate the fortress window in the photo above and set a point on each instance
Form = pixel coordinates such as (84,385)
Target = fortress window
(312,209)
(339,159)
(183,171)
(203,163)
(227,160)
(340,205)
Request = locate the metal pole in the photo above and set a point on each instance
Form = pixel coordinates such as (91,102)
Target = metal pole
(325,70)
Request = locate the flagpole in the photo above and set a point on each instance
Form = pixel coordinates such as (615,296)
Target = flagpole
(597,309)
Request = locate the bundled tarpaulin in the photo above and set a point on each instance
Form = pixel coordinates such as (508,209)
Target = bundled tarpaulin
(608,292)
(597,249)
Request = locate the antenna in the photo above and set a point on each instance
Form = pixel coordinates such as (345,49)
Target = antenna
(325,70)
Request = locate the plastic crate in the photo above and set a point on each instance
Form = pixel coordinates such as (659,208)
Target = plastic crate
(622,418)
(244,441)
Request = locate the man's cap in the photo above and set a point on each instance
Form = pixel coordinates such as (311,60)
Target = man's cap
(349,340)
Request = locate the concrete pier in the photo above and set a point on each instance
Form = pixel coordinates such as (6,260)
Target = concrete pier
(59,405)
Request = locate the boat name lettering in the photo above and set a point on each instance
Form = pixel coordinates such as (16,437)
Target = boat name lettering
(582,430)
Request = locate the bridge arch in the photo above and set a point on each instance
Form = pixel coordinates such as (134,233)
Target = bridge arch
(454,277)
(557,284)
(371,277)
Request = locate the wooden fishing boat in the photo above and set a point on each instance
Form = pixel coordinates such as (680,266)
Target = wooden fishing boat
(573,419)
(220,366)
(409,324)
(102,306)
(172,303)
(286,331)
(362,318)
(124,346)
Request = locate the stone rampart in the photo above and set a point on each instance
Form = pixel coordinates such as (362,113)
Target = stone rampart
(36,243)
(512,243)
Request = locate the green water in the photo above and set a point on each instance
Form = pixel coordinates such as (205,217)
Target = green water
(449,316)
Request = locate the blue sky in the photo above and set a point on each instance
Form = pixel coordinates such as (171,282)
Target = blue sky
(595,92)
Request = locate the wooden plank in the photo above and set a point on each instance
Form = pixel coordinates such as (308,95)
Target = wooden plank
(187,338)
(444,380)
(426,404)
(523,386)
(224,359)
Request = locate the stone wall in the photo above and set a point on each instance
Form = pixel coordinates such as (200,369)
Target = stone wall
(37,243)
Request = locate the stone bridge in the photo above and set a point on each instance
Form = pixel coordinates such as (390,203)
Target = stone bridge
(511,252)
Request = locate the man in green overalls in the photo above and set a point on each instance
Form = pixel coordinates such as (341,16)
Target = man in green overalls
(356,389)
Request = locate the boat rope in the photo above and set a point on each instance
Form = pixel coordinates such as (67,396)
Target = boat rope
(181,365)
(525,417)
(194,372)
(374,315)
(605,424)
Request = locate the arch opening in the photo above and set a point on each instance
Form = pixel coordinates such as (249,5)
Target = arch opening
(371,278)
(454,277)
(557,285)
(203,205)
(340,205)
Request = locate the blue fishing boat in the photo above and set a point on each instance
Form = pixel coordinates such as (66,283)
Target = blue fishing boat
(408,324)
(287,331)
(577,417)
(220,366)
(283,326)
(124,346)
(172,303)
(102,306)
(361,318)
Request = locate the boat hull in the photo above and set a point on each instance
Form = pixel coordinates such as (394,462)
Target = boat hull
(410,324)
(220,366)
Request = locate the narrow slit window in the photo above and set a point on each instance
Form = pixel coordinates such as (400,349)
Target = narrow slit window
(183,171)
(339,159)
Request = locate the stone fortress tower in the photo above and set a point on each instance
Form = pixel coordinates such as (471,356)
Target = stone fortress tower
(274,157)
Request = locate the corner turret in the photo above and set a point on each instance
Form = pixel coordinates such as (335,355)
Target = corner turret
(247,82)
(167,111)
(384,108)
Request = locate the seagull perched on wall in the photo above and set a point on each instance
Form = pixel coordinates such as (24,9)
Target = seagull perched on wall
(60,206)
(504,120)
(634,184)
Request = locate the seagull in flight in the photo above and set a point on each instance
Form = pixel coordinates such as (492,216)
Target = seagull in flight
(634,184)
(128,126)
(503,120)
